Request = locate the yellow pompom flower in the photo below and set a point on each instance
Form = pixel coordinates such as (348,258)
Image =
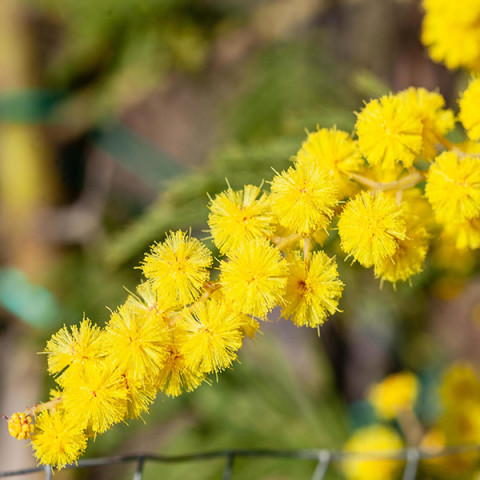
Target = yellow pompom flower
(370,228)
(336,151)
(134,343)
(177,268)
(97,398)
(211,337)
(74,348)
(453,188)
(375,439)
(20,426)
(469,108)
(304,197)
(175,376)
(254,278)
(141,393)
(410,254)
(313,289)
(436,121)
(394,394)
(389,131)
(59,439)
(240,216)
(451,32)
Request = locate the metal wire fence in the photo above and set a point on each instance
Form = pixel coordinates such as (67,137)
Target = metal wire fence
(323,460)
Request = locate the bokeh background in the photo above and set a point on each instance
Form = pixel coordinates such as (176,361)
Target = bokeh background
(116,120)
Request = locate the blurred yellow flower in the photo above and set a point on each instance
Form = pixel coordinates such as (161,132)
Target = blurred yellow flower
(469,109)
(394,394)
(451,31)
(375,440)
(460,383)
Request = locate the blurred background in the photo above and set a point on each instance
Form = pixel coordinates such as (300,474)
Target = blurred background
(116,119)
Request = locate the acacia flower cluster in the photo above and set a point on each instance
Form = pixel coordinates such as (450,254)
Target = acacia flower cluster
(387,191)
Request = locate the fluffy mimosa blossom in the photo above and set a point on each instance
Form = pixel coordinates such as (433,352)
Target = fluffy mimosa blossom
(410,255)
(371,227)
(20,426)
(240,216)
(97,398)
(140,394)
(394,394)
(469,108)
(313,289)
(175,377)
(59,438)
(211,337)
(436,121)
(254,278)
(451,31)
(74,348)
(303,197)
(336,151)
(177,268)
(134,343)
(453,188)
(389,131)
(374,439)
(460,383)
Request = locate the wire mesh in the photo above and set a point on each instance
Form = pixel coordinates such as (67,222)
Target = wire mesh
(323,458)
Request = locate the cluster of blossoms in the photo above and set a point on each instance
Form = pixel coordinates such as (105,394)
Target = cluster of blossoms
(393,401)
(387,191)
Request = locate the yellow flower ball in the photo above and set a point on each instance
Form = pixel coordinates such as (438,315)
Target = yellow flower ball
(313,289)
(59,438)
(239,216)
(303,198)
(374,439)
(453,188)
(336,151)
(394,394)
(389,131)
(254,278)
(370,228)
(177,268)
